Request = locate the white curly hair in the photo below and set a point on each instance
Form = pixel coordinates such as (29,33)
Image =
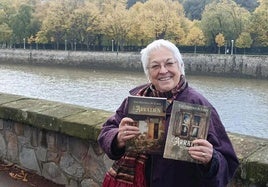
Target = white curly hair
(156,45)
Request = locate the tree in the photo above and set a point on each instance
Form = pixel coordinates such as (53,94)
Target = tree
(224,17)
(41,37)
(244,41)
(5,33)
(164,19)
(132,22)
(5,30)
(94,31)
(54,25)
(138,30)
(259,24)
(20,21)
(219,39)
(195,37)
(115,21)
(82,25)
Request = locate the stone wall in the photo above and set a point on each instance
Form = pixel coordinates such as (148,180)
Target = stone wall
(200,64)
(54,140)
(58,141)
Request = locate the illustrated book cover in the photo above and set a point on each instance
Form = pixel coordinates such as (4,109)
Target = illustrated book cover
(149,114)
(187,123)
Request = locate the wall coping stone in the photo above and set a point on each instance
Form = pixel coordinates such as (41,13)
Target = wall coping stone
(85,123)
(69,119)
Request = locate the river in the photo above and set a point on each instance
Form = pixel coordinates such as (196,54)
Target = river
(241,103)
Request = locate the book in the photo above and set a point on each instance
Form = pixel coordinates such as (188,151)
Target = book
(149,114)
(187,123)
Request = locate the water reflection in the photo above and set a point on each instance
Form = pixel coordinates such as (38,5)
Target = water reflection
(241,103)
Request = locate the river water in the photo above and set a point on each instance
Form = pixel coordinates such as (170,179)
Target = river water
(241,103)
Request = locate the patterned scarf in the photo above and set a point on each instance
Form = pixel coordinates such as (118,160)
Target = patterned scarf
(129,170)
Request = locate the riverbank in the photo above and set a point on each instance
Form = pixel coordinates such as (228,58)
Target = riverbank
(195,64)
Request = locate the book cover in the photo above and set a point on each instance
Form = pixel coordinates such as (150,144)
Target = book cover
(149,114)
(187,123)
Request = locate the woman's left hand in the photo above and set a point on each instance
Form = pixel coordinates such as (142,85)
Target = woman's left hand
(201,151)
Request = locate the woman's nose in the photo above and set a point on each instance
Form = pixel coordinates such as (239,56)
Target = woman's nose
(163,68)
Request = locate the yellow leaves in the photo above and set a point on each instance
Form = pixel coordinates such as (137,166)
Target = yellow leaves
(224,17)
(116,21)
(5,32)
(41,37)
(19,176)
(244,40)
(195,37)
(15,174)
(145,21)
(161,18)
(259,24)
(219,39)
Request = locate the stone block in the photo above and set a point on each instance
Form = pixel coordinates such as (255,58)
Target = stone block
(12,146)
(78,148)
(34,137)
(41,154)
(53,156)
(1,124)
(51,141)
(70,166)
(72,183)
(3,147)
(6,98)
(19,129)
(28,159)
(52,172)
(256,167)
(89,182)
(62,142)
(83,124)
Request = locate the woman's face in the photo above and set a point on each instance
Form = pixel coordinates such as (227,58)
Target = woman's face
(163,70)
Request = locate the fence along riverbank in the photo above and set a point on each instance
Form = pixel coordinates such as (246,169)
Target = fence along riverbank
(196,64)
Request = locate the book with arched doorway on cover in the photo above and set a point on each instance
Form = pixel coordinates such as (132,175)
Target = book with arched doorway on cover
(149,115)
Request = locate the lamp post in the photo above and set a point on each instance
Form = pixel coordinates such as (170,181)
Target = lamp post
(65,45)
(112,45)
(75,44)
(24,43)
(232,47)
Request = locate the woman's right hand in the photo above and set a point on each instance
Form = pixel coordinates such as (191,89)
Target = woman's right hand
(126,131)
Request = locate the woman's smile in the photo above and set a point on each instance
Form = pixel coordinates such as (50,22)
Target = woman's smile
(164,78)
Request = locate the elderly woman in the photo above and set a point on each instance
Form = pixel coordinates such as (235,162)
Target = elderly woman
(164,68)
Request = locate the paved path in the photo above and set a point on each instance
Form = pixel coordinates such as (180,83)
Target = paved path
(7,181)
(33,180)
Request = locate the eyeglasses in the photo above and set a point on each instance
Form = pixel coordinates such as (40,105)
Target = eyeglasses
(157,66)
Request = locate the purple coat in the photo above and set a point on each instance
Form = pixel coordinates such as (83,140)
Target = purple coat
(171,173)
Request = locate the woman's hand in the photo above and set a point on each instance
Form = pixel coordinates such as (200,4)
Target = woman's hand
(126,131)
(201,151)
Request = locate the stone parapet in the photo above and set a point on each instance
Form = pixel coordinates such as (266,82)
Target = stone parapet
(249,66)
(58,141)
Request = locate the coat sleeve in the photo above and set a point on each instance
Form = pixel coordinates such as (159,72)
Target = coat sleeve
(109,131)
(223,153)
(224,160)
